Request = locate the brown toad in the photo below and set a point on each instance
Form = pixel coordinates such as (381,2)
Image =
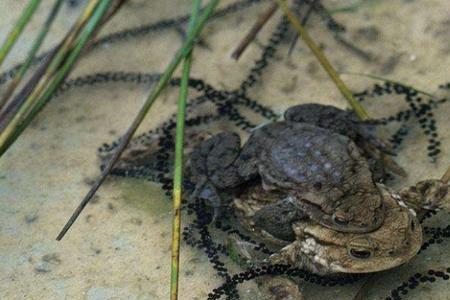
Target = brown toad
(325,251)
(301,243)
(315,163)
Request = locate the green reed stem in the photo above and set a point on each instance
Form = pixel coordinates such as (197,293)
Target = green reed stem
(356,106)
(18,28)
(181,53)
(178,172)
(32,53)
(59,76)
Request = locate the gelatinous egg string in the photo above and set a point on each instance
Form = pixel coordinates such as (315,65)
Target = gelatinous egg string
(420,109)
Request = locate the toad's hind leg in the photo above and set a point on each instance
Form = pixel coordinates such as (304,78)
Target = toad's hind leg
(213,168)
(339,121)
(277,218)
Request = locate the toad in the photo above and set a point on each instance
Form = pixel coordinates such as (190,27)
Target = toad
(316,157)
(312,246)
(304,244)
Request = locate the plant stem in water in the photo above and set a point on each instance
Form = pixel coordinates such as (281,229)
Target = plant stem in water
(356,106)
(178,172)
(31,54)
(18,28)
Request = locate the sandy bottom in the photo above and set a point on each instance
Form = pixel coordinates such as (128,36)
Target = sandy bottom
(120,247)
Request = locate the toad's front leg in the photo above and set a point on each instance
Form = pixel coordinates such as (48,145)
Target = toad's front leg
(431,194)
(214,169)
(272,287)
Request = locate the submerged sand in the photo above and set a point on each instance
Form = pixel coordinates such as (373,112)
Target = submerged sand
(120,247)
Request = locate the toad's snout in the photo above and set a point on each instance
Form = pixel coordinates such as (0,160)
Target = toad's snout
(395,243)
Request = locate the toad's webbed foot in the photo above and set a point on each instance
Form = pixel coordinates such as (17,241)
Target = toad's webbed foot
(213,169)
(207,193)
(428,194)
(244,252)
(279,288)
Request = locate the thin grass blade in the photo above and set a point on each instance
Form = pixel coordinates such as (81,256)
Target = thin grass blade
(446,177)
(178,172)
(60,76)
(18,28)
(7,114)
(10,126)
(13,106)
(32,53)
(250,36)
(307,14)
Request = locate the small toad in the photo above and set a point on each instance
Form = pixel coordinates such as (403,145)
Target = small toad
(317,157)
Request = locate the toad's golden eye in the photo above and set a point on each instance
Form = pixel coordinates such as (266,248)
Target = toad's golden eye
(361,254)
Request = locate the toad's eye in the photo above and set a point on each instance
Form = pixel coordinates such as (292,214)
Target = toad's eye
(339,220)
(413,224)
(361,254)
(318,185)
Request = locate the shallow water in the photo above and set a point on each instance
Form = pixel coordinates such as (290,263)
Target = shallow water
(120,247)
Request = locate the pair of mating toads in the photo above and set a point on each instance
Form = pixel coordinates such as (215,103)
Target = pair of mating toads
(311,186)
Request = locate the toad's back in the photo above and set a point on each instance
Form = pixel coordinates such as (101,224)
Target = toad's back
(301,155)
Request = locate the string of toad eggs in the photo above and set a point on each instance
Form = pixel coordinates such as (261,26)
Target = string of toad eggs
(226,103)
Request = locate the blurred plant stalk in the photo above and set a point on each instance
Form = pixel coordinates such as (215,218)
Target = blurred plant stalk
(38,92)
(31,54)
(18,29)
(256,28)
(14,105)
